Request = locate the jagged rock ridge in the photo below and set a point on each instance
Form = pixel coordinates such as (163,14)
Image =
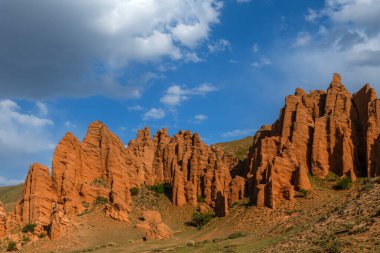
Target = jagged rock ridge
(101,168)
(317,133)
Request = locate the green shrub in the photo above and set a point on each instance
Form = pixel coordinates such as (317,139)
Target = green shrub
(331,177)
(134,191)
(343,184)
(26,239)
(200,199)
(29,228)
(12,246)
(100,182)
(237,235)
(85,204)
(100,200)
(158,188)
(42,235)
(304,193)
(200,219)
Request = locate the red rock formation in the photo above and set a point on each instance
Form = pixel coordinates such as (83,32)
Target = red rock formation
(38,196)
(316,133)
(320,132)
(102,168)
(153,226)
(3,221)
(97,167)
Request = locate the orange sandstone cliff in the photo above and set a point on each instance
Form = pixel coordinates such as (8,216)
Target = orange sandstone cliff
(317,133)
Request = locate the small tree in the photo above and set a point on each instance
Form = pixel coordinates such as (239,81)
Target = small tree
(100,200)
(12,246)
(29,228)
(200,219)
(134,191)
(304,193)
(158,188)
(343,184)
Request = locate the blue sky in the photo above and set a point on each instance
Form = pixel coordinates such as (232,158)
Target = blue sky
(220,68)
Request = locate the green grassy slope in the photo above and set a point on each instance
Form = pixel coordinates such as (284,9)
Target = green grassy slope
(239,147)
(9,195)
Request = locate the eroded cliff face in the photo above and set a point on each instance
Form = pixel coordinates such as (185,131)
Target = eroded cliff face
(102,168)
(316,133)
(3,221)
(35,207)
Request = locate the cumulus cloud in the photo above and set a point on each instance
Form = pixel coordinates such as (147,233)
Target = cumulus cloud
(238,133)
(219,46)
(199,118)
(264,61)
(70,125)
(154,114)
(21,132)
(135,108)
(176,94)
(255,48)
(346,40)
(81,47)
(42,108)
(303,39)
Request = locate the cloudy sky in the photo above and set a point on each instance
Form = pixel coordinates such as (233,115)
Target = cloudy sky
(218,67)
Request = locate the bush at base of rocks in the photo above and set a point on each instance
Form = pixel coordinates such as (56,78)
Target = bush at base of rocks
(12,246)
(343,184)
(134,191)
(29,228)
(200,219)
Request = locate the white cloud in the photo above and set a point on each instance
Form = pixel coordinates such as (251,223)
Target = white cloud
(135,108)
(264,61)
(154,114)
(70,125)
(199,118)
(8,182)
(238,133)
(219,46)
(42,108)
(192,57)
(21,132)
(303,39)
(347,40)
(312,15)
(175,94)
(93,41)
(255,48)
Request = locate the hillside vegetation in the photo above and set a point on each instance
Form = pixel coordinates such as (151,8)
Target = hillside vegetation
(9,195)
(239,148)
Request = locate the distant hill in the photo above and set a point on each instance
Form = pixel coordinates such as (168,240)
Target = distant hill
(9,195)
(239,148)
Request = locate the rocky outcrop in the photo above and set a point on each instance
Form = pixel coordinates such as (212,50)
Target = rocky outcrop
(96,168)
(318,133)
(196,171)
(101,170)
(3,221)
(35,207)
(153,226)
